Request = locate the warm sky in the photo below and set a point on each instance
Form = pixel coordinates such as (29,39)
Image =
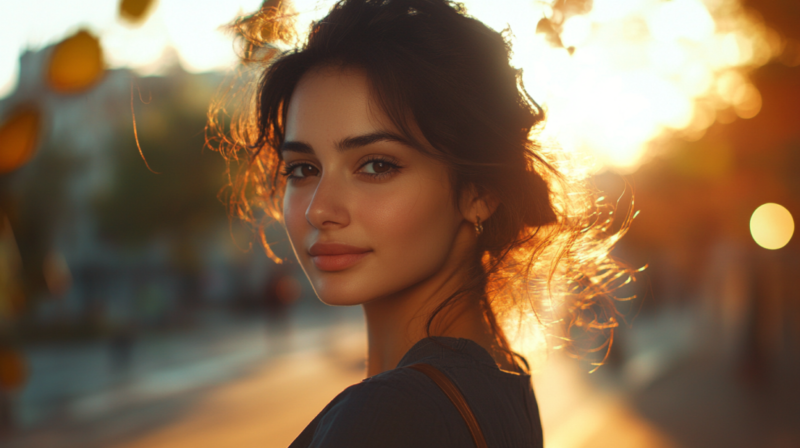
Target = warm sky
(190,26)
(640,67)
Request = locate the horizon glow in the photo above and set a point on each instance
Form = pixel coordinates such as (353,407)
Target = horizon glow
(641,69)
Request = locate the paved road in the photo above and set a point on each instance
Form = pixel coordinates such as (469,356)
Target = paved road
(238,393)
(75,389)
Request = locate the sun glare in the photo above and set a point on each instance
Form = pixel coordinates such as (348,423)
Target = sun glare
(631,71)
(614,77)
(628,71)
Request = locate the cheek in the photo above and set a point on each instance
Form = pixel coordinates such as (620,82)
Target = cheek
(295,204)
(417,219)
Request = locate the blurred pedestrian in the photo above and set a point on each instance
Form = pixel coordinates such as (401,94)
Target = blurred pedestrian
(121,347)
(281,291)
(13,376)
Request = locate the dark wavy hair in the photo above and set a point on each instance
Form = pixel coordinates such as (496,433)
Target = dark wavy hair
(437,72)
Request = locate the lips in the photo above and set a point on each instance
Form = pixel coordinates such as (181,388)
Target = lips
(332,257)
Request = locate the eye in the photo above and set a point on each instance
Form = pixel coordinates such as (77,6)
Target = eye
(378,167)
(300,171)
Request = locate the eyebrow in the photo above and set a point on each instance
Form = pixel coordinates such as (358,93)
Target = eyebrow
(348,142)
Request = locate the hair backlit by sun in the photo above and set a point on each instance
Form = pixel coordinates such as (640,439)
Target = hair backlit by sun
(627,72)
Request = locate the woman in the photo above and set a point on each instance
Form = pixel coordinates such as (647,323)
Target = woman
(394,146)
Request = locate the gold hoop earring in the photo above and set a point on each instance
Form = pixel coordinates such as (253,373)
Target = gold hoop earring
(478,225)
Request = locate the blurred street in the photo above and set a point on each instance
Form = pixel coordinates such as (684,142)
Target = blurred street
(138,311)
(77,397)
(235,384)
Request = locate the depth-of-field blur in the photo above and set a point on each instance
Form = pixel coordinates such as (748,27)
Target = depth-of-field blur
(136,312)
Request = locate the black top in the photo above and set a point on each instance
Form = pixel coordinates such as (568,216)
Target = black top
(405,408)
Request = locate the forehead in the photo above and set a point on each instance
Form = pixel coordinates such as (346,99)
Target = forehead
(330,103)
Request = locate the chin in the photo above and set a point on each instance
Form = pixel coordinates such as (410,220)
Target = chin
(338,291)
(355,287)
(344,288)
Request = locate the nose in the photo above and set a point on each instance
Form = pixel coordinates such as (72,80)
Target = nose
(327,209)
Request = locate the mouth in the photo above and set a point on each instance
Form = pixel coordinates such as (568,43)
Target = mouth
(332,257)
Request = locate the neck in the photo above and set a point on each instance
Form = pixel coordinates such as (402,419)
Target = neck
(396,323)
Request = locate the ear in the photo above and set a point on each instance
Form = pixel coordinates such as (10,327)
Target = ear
(475,204)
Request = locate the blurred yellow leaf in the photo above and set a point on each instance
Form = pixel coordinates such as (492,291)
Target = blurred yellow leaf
(76,63)
(13,371)
(19,135)
(135,11)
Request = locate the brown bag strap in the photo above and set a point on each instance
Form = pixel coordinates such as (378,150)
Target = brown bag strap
(455,396)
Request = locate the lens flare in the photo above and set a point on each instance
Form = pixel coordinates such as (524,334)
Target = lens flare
(771,226)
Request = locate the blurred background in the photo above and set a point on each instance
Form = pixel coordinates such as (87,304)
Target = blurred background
(134,312)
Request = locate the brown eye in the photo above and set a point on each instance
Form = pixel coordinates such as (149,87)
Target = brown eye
(302,171)
(377,167)
(309,170)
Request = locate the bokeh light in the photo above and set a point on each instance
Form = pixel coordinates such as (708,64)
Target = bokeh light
(76,63)
(19,137)
(771,226)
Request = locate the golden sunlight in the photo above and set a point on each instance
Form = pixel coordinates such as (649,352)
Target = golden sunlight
(772,226)
(615,75)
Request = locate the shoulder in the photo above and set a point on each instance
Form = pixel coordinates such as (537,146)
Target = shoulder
(399,408)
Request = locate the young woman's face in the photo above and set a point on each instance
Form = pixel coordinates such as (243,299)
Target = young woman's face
(368,216)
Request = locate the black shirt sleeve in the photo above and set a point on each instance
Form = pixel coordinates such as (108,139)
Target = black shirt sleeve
(388,414)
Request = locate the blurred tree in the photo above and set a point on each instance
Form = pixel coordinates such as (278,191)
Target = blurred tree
(176,205)
(179,201)
(35,203)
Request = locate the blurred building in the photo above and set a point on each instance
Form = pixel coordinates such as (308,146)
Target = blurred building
(130,246)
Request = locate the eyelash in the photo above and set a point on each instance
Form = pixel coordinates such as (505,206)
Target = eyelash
(289,168)
(393,168)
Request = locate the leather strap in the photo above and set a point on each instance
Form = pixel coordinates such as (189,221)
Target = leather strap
(455,396)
